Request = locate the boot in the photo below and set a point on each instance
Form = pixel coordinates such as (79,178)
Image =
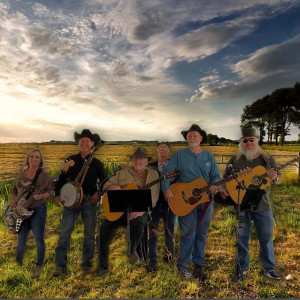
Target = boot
(37,272)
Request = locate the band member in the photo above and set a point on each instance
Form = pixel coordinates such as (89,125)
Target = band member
(86,141)
(193,162)
(140,175)
(161,211)
(31,178)
(251,155)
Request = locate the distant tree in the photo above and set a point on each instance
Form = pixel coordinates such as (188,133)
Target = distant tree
(274,113)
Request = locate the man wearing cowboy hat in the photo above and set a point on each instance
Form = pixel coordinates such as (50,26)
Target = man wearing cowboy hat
(193,162)
(86,141)
(251,155)
(140,175)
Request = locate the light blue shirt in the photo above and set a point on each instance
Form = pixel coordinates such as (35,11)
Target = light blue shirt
(192,166)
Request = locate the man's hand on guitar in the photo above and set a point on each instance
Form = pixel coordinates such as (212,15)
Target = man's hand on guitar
(113,187)
(273,175)
(168,196)
(135,214)
(213,189)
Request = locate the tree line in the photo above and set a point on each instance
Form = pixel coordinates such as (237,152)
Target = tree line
(274,114)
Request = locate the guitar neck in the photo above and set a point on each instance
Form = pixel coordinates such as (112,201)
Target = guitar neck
(281,166)
(148,185)
(222,181)
(42,189)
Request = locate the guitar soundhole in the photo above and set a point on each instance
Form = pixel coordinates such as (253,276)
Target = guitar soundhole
(256,180)
(196,193)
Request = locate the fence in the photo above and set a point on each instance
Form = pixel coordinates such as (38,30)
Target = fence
(281,159)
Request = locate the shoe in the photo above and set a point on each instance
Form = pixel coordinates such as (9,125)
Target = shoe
(37,272)
(184,274)
(102,271)
(134,258)
(167,258)
(58,272)
(199,272)
(152,268)
(273,274)
(86,270)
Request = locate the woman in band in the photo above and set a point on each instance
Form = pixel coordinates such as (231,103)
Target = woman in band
(32,171)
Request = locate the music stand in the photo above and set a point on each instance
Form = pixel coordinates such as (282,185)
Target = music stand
(128,201)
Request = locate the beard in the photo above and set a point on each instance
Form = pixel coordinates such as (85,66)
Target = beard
(249,153)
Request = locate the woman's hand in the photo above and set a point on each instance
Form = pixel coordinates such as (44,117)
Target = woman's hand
(12,203)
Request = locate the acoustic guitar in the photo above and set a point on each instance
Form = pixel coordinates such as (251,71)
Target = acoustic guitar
(14,216)
(256,178)
(187,196)
(113,216)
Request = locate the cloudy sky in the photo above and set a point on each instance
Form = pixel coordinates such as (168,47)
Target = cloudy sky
(144,69)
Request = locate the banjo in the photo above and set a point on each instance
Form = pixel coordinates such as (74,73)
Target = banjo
(71,192)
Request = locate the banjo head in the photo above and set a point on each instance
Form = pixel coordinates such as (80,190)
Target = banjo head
(68,194)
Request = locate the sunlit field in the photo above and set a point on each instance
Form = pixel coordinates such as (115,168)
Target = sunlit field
(125,281)
(13,155)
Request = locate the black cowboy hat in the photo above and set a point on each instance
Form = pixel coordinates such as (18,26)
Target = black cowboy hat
(87,133)
(194,127)
(249,131)
(140,152)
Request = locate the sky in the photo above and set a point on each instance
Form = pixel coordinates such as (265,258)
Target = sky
(141,70)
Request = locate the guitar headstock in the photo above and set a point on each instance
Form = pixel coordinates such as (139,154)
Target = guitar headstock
(67,165)
(172,174)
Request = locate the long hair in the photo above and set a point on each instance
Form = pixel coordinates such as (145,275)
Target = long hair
(26,164)
(249,154)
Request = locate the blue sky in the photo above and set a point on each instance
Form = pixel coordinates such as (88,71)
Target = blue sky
(141,69)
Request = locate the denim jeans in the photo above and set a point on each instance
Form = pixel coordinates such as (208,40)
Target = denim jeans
(88,215)
(161,212)
(193,240)
(36,223)
(108,230)
(263,222)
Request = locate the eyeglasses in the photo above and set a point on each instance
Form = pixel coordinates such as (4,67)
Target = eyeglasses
(251,140)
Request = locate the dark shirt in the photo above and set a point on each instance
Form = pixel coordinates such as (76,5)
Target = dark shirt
(95,171)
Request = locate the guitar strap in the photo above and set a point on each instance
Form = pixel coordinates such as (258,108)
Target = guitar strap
(33,183)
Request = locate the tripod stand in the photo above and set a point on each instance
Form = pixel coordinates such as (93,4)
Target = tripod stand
(238,276)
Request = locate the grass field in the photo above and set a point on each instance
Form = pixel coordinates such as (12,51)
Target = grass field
(125,281)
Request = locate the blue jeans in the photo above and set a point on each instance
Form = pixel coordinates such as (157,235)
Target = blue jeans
(36,223)
(161,212)
(193,240)
(88,215)
(263,222)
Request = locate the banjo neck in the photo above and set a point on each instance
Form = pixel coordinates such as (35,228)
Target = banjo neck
(86,165)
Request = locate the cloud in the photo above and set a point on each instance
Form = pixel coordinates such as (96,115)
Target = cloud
(212,38)
(268,61)
(262,72)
